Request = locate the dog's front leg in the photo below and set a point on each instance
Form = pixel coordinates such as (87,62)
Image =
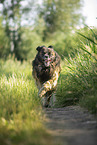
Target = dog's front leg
(50,85)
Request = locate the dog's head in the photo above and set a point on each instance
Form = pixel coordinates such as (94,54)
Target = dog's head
(46,55)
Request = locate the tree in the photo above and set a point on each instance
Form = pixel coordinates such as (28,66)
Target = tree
(11,19)
(13,13)
(61,15)
(4,42)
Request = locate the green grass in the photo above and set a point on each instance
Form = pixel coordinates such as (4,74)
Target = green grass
(21,114)
(78,82)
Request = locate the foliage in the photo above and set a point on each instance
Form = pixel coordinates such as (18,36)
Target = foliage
(90,46)
(4,42)
(24,39)
(30,41)
(78,81)
(11,18)
(12,14)
(60,16)
(21,115)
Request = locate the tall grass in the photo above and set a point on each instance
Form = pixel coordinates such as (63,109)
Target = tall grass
(78,80)
(21,115)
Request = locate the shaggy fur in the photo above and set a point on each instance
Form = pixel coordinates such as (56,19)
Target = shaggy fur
(46,69)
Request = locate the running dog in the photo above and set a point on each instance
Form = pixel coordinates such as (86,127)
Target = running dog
(46,70)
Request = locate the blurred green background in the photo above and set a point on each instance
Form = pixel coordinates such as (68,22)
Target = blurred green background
(25,24)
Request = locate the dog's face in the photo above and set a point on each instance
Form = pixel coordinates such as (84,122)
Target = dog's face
(46,55)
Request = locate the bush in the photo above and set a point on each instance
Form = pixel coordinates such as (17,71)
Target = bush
(78,80)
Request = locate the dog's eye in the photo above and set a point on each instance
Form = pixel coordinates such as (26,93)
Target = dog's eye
(43,53)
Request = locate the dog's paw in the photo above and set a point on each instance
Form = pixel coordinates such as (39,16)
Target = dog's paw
(44,102)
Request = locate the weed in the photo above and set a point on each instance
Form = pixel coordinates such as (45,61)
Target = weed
(21,115)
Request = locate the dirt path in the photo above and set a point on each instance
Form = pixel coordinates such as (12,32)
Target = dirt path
(72,125)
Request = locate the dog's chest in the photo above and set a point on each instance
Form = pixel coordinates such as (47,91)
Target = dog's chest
(45,74)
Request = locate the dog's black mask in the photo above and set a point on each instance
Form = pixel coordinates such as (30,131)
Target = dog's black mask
(46,55)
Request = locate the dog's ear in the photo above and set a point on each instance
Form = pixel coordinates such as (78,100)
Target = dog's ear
(50,46)
(38,48)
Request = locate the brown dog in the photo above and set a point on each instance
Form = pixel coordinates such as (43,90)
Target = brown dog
(46,69)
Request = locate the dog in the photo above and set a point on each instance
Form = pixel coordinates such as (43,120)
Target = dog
(46,70)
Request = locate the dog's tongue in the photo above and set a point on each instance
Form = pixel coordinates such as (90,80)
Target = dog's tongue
(47,62)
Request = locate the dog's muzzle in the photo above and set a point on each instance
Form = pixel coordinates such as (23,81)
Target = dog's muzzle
(46,60)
